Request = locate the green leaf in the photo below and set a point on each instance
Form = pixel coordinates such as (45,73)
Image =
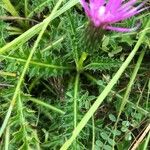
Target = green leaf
(112,117)
(104,135)
(107,147)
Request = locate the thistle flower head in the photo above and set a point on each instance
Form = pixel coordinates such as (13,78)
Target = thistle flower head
(103,13)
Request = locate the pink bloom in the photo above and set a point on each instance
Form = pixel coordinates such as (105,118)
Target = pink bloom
(103,13)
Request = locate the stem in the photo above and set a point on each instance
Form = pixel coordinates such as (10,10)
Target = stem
(7,138)
(105,92)
(35,63)
(21,119)
(76,86)
(53,44)
(40,102)
(76,98)
(3,73)
(148,95)
(10,8)
(26,7)
(146,142)
(26,12)
(93,129)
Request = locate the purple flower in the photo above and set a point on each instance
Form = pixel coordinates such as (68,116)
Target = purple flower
(103,14)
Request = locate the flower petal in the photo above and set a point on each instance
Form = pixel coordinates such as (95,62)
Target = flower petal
(128,4)
(123,29)
(125,15)
(131,13)
(97,2)
(113,5)
(86,7)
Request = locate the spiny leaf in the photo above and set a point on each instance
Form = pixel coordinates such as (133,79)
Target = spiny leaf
(103,63)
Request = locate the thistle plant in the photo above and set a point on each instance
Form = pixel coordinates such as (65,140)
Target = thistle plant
(71,83)
(103,14)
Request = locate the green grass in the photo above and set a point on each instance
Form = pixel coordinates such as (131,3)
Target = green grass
(58,93)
